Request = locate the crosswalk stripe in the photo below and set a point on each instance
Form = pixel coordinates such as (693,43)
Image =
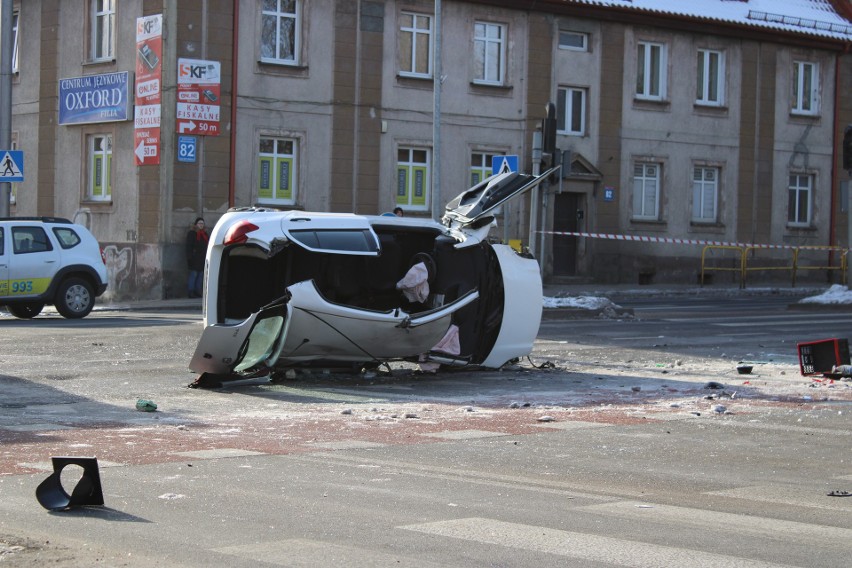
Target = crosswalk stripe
(299,552)
(788,495)
(761,527)
(581,546)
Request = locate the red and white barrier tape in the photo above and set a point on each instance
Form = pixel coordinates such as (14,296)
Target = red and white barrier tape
(644,239)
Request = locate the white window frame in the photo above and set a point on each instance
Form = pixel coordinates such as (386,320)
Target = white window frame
(407,169)
(646,207)
(16,18)
(487,47)
(800,186)
(481,165)
(805,88)
(408,68)
(103,20)
(584,40)
(705,194)
(277,166)
(100,167)
(707,76)
(651,55)
(565,111)
(281,16)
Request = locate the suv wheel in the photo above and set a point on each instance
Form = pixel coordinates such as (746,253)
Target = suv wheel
(27,310)
(74,298)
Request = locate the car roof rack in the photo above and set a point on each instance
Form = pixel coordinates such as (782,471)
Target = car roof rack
(42,219)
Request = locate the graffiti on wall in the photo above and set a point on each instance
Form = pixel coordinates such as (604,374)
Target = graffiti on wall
(119,263)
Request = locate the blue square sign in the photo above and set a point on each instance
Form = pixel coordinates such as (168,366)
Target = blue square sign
(11,165)
(186,148)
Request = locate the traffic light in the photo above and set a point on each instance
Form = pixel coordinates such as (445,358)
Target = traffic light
(847,148)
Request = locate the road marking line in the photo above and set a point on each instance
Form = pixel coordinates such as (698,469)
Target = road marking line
(810,497)
(347,445)
(582,546)
(465,434)
(299,552)
(517,482)
(763,527)
(570,425)
(218,453)
(48,466)
(37,427)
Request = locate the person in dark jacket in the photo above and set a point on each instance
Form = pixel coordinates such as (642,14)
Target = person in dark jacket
(196,251)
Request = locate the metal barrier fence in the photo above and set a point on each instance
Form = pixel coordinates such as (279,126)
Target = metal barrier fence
(745,266)
(743,249)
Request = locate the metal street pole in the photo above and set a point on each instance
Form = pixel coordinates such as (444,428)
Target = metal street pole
(6,47)
(437,204)
(536,170)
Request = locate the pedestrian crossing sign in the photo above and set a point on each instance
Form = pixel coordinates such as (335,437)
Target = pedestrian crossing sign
(11,165)
(503,164)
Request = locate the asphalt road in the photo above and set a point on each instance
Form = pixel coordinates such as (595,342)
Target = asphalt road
(606,448)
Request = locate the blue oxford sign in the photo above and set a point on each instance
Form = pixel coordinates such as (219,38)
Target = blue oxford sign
(503,164)
(11,165)
(94,98)
(186,148)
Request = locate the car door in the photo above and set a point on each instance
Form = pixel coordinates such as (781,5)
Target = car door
(33,261)
(304,327)
(471,212)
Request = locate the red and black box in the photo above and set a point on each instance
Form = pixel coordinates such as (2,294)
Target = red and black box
(818,357)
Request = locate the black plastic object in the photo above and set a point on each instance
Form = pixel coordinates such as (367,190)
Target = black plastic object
(53,497)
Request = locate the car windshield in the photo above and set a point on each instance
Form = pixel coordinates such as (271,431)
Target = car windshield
(261,342)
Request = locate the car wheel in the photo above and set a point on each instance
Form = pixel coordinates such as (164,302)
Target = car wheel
(25,311)
(75,298)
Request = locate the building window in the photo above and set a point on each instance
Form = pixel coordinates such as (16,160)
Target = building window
(711,78)
(15,41)
(279,36)
(489,53)
(805,88)
(705,194)
(575,41)
(415,45)
(103,29)
(800,198)
(646,192)
(480,166)
(651,71)
(100,167)
(571,111)
(277,170)
(412,177)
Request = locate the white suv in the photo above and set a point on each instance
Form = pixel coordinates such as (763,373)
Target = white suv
(47,260)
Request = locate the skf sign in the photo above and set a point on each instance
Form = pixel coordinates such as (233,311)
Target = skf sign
(201,72)
(198,91)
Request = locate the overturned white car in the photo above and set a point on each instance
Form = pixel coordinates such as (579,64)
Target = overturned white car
(299,289)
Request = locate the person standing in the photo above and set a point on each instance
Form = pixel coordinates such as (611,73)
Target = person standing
(196,251)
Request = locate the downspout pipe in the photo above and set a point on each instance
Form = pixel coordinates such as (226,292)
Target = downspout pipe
(234,66)
(835,167)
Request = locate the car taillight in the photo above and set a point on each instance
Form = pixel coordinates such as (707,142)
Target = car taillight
(239,233)
(103,255)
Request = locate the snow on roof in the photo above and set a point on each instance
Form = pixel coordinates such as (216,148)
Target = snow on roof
(807,17)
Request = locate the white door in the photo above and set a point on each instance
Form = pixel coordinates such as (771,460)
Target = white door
(33,260)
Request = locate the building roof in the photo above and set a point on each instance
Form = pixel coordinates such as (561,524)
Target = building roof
(821,18)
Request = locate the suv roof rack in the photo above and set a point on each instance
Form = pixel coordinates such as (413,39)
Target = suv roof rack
(42,219)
